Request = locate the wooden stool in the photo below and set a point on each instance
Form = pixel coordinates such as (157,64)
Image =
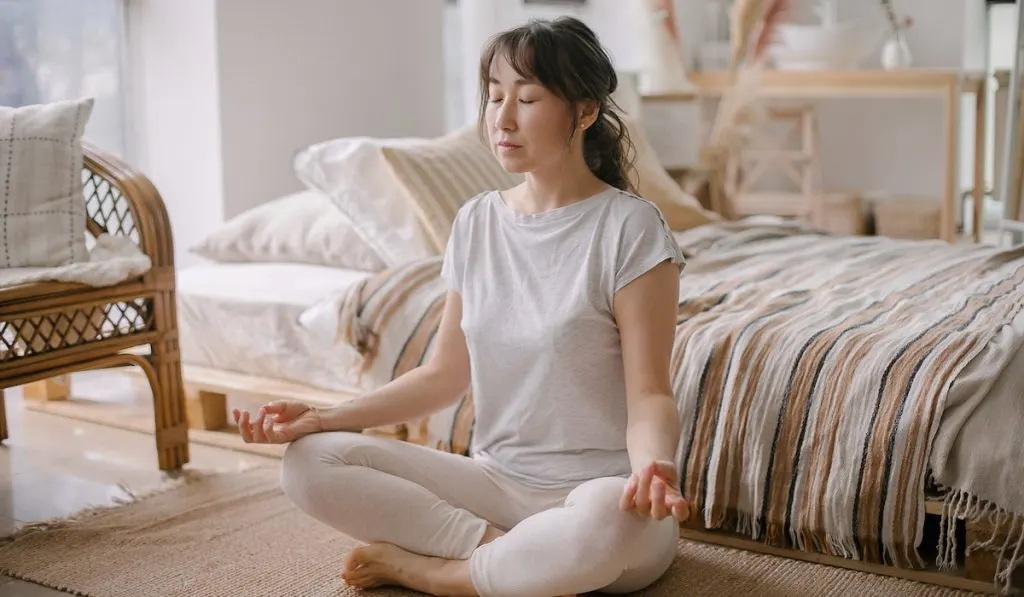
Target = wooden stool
(799,164)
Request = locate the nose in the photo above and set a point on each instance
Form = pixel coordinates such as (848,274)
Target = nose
(505,119)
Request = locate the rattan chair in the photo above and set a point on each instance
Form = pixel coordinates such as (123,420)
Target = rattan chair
(53,329)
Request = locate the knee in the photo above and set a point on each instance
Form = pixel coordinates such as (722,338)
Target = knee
(306,458)
(609,530)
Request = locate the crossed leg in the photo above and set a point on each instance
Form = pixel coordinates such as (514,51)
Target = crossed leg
(436,523)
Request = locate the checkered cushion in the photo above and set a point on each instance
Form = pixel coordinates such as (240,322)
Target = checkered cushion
(42,209)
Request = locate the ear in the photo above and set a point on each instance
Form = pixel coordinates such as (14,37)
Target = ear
(587,113)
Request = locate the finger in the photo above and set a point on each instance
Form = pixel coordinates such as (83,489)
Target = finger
(643,491)
(276,407)
(243,427)
(628,494)
(236,414)
(681,511)
(659,505)
(271,431)
(258,435)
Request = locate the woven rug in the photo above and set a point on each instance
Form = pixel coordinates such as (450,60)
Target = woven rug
(236,534)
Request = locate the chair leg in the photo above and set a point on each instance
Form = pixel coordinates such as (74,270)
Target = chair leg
(168,388)
(3,417)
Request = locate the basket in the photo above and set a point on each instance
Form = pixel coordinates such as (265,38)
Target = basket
(844,214)
(908,217)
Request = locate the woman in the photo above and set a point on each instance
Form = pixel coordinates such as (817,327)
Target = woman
(560,315)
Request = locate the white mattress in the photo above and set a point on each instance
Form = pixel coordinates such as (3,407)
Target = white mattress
(243,317)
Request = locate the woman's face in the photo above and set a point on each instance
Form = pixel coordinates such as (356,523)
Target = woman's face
(526,124)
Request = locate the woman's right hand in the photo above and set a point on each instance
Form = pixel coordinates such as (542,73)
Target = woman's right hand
(278,422)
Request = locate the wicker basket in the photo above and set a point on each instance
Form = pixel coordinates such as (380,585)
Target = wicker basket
(844,213)
(907,217)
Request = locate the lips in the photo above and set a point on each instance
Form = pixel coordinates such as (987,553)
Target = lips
(507,145)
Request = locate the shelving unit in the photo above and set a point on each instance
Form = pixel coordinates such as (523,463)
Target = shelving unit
(1010,183)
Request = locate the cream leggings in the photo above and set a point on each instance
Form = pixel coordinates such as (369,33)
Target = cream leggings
(558,541)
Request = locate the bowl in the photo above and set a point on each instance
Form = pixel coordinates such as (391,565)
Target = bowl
(841,46)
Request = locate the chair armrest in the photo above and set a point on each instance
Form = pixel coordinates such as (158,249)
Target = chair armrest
(122,201)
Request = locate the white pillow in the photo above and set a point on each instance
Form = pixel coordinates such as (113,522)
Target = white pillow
(352,171)
(42,208)
(303,227)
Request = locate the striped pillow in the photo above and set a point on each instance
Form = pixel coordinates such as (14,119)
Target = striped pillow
(441,174)
(391,319)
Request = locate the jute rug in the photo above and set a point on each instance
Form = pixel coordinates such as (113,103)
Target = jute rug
(236,534)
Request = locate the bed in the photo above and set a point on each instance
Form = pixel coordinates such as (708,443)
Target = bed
(244,318)
(834,391)
(791,441)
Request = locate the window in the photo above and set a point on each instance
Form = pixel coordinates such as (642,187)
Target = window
(455,115)
(53,50)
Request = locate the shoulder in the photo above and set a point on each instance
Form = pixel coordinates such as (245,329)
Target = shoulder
(473,209)
(632,213)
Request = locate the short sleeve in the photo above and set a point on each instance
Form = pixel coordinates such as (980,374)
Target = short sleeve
(453,263)
(644,242)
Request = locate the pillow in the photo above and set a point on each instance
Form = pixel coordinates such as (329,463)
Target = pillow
(391,320)
(303,227)
(439,175)
(353,173)
(42,208)
(682,211)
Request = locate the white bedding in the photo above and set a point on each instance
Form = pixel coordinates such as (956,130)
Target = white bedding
(243,317)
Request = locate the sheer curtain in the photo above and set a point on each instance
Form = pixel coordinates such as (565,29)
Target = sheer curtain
(54,50)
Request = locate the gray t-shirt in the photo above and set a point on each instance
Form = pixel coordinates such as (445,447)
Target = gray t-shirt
(546,360)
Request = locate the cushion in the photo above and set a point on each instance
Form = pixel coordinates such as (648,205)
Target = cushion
(353,173)
(303,227)
(440,175)
(42,208)
(682,210)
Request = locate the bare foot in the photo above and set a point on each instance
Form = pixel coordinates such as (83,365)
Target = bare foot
(383,564)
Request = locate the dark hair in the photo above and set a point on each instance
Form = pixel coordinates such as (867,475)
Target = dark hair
(565,56)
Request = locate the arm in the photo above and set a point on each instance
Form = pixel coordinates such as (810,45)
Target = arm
(422,391)
(645,311)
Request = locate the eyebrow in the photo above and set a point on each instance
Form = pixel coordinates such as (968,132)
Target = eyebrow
(492,80)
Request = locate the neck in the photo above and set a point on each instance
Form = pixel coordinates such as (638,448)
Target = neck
(563,184)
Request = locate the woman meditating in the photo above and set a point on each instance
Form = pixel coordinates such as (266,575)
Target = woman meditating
(560,316)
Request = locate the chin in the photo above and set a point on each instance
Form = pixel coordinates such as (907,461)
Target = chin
(513,165)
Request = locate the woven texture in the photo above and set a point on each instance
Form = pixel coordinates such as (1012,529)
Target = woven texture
(236,534)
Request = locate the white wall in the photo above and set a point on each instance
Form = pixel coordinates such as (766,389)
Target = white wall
(231,89)
(297,72)
(177,141)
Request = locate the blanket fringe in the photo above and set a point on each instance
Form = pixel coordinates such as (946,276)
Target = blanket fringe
(961,505)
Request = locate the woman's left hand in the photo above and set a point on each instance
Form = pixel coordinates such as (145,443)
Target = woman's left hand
(654,492)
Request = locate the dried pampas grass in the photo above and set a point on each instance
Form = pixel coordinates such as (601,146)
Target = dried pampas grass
(753,25)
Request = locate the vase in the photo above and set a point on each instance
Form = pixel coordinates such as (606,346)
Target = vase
(896,53)
(666,69)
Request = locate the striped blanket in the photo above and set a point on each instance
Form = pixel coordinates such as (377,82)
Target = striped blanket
(811,373)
